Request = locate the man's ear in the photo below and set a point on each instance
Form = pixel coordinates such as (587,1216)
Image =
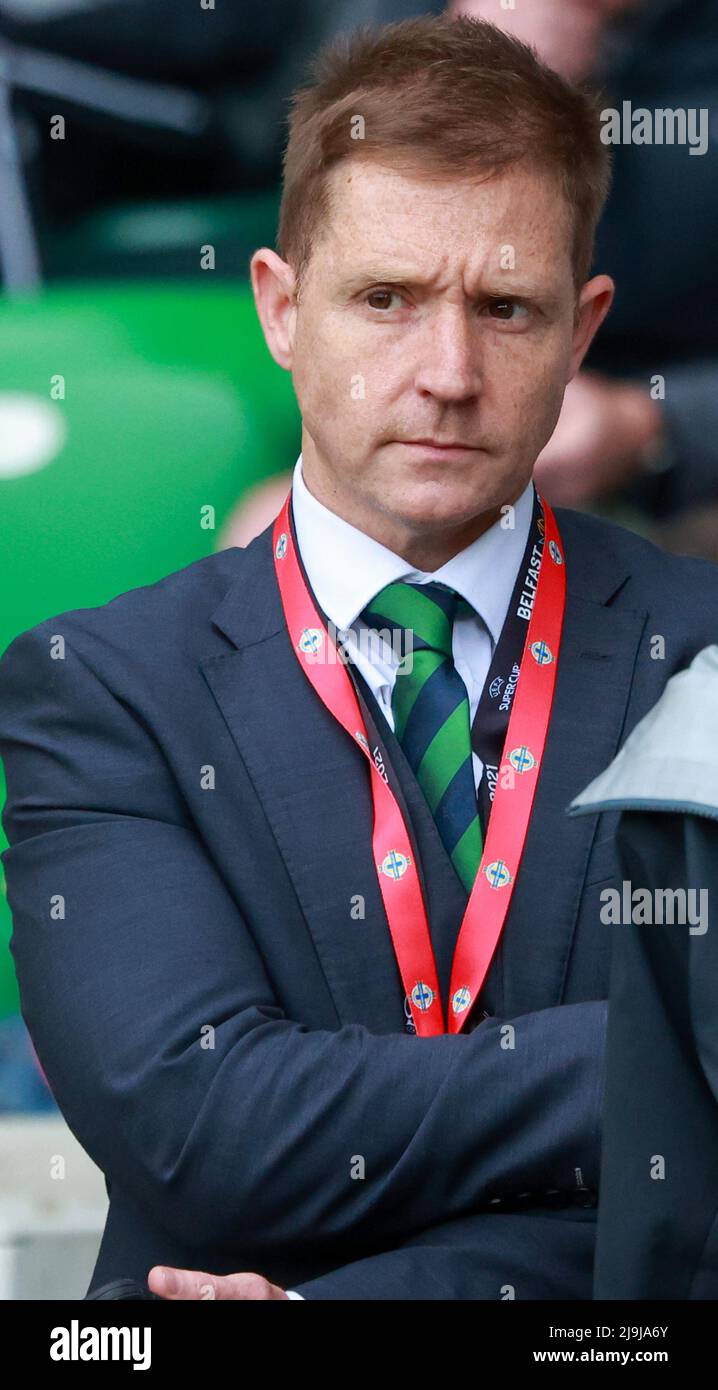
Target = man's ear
(273,285)
(593,304)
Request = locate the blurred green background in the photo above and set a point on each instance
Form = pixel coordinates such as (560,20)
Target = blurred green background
(172,404)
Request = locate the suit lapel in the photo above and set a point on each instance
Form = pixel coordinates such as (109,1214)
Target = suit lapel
(313,784)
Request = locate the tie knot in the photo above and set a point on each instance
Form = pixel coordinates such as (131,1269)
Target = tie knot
(425,611)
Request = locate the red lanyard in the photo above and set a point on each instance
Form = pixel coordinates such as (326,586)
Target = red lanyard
(518,775)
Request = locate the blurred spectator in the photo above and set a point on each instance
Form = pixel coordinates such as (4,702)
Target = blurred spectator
(566,33)
(659,1239)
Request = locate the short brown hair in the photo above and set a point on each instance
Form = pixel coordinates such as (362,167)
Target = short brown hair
(447,97)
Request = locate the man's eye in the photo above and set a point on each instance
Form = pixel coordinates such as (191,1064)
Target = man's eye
(504,309)
(382,295)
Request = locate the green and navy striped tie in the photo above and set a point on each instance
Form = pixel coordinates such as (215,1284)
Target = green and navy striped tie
(431,712)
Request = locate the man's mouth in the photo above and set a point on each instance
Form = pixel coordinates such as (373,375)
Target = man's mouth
(439,446)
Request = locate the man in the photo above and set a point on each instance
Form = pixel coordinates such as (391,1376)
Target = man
(657,1231)
(245,874)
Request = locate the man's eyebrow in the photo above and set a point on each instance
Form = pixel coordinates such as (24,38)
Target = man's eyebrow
(495,288)
(372,277)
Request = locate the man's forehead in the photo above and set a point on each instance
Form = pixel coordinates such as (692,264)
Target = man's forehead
(513,203)
(492,193)
(367,236)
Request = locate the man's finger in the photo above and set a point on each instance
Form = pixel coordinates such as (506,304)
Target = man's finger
(194,1284)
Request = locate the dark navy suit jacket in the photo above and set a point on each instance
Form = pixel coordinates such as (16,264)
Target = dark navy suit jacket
(189,833)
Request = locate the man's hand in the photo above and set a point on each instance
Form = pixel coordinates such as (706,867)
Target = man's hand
(194,1284)
(598,443)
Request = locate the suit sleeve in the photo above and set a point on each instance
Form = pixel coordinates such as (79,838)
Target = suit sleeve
(537,1254)
(168,1052)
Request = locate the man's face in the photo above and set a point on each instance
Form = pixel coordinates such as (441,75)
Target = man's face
(432,311)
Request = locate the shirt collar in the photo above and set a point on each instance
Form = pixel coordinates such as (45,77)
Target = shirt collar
(346,568)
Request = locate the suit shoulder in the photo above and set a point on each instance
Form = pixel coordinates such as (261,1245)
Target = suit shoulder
(654,572)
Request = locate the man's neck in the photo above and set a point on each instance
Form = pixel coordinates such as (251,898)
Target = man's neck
(423,551)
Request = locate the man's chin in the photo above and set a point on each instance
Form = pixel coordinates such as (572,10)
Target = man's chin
(438,508)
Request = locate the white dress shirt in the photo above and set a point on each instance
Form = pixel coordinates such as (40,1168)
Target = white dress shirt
(346,569)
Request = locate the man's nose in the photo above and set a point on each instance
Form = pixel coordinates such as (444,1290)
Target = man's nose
(448,355)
